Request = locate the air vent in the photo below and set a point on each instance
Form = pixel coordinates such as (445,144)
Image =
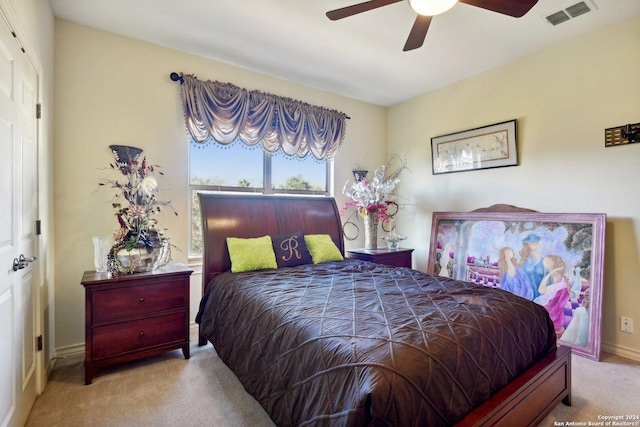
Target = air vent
(578,9)
(558,18)
(568,13)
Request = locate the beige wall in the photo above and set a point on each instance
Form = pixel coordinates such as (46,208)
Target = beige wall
(563,99)
(115,90)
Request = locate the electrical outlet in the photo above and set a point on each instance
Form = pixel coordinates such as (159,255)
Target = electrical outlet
(626,324)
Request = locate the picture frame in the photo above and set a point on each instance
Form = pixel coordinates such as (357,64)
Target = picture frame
(496,249)
(485,147)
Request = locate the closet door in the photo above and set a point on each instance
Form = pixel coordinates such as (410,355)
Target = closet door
(18,239)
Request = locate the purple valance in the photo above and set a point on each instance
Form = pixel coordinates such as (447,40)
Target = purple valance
(225,113)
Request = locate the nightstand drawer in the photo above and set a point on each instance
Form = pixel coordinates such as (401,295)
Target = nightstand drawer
(118,303)
(120,338)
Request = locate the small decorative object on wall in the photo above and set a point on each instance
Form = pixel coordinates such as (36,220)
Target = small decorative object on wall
(622,135)
(139,242)
(556,260)
(359,174)
(373,199)
(485,147)
(125,154)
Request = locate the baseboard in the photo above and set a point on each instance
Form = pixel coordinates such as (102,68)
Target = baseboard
(70,351)
(629,353)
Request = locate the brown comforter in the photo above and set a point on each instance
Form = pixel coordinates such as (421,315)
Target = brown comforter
(357,343)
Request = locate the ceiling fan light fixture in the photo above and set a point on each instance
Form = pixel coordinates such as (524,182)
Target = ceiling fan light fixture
(431,7)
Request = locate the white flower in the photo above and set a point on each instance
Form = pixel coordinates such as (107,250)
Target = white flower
(370,194)
(377,194)
(148,185)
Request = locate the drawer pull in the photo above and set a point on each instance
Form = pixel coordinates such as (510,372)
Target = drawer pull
(141,334)
(141,299)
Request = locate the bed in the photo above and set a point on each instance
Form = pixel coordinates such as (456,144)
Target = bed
(355,343)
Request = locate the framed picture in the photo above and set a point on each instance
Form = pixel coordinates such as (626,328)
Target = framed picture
(486,147)
(555,260)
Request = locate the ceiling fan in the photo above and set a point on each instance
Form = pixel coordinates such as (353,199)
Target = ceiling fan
(427,9)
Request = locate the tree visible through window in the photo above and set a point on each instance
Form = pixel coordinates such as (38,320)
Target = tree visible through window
(239,168)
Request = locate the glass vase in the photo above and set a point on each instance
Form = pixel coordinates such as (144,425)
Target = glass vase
(101,247)
(371,230)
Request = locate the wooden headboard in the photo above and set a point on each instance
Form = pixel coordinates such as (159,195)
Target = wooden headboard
(226,215)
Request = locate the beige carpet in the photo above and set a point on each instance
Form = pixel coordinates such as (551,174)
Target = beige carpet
(168,390)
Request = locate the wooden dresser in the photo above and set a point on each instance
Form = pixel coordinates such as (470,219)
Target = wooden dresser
(135,315)
(400,257)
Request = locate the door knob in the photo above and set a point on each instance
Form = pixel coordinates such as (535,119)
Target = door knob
(22,262)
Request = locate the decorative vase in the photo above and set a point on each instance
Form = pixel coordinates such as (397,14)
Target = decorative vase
(138,260)
(101,247)
(393,238)
(393,241)
(371,230)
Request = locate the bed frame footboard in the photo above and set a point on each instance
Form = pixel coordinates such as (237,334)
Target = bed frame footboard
(528,399)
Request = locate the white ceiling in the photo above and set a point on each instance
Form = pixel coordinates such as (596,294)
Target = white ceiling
(361,56)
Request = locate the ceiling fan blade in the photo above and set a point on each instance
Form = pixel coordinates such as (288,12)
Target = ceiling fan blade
(358,8)
(515,8)
(418,32)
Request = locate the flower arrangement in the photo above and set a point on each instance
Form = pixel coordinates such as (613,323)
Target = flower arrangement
(372,199)
(138,230)
(375,195)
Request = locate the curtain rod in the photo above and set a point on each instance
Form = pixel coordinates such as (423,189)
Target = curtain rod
(178,78)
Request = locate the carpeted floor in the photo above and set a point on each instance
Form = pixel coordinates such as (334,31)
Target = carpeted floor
(168,390)
(164,390)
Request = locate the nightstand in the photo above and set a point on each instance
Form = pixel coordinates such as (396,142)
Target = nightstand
(400,257)
(133,316)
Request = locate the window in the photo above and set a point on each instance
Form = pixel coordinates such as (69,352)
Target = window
(239,168)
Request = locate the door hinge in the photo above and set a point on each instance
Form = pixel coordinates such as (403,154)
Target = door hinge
(15,36)
(39,343)
(38,227)
(38,110)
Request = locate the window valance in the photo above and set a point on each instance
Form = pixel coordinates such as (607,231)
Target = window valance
(225,113)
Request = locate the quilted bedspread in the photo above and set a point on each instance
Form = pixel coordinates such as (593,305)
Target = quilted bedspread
(357,343)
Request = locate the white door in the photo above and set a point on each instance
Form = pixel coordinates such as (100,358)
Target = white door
(18,207)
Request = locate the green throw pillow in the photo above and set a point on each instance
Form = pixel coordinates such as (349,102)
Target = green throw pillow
(251,254)
(322,248)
